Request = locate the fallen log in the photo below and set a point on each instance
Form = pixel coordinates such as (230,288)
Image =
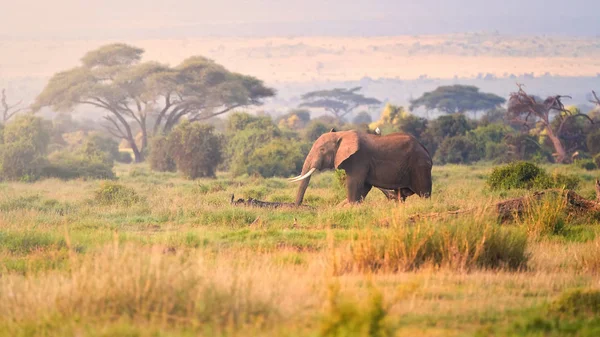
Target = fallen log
(264,204)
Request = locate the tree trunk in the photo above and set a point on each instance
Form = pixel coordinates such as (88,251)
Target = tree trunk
(561,154)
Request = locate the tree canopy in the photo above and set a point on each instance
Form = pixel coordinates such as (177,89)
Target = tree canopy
(340,102)
(149,96)
(457,99)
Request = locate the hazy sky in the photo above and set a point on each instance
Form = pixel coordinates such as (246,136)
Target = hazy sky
(158,19)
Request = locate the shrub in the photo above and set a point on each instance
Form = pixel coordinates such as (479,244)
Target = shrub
(586,164)
(444,127)
(110,193)
(72,165)
(25,143)
(21,161)
(277,158)
(95,145)
(524,175)
(597,160)
(196,150)
(160,157)
(457,150)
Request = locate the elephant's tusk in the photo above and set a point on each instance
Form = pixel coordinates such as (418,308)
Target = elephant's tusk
(304,176)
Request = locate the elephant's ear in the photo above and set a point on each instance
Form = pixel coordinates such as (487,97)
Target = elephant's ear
(348,144)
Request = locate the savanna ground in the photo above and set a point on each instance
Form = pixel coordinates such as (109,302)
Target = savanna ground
(179,260)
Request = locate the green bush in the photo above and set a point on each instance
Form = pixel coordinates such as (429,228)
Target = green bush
(457,150)
(20,161)
(586,164)
(597,160)
(277,158)
(524,175)
(111,193)
(160,158)
(25,143)
(72,165)
(196,149)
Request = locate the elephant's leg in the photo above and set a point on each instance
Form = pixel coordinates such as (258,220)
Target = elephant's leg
(354,189)
(365,190)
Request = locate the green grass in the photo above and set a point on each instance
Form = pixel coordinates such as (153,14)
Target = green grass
(164,256)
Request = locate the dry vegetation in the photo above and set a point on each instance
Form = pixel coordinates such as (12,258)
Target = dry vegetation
(170,257)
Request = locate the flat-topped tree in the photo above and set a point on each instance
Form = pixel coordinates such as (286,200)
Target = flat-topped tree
(149,96)
(339,102)
(531,111)
(457,99)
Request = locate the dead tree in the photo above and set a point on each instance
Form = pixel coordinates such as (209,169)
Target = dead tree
(595,100)
(529,111)
(8,111)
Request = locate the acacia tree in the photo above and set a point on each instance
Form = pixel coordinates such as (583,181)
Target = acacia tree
(8,111)
(457,99)
(340,102)
(149,96)
(530,111)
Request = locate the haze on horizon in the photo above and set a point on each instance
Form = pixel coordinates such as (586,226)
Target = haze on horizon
(138,19)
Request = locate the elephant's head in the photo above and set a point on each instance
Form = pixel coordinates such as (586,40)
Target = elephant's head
(328,152)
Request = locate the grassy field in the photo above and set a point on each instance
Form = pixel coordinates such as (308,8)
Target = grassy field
(176,259)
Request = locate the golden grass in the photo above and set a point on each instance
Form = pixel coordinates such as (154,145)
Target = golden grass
(182,261)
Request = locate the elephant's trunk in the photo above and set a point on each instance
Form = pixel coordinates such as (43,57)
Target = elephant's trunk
(304,183)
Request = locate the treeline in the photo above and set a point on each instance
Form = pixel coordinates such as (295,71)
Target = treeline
(244,144)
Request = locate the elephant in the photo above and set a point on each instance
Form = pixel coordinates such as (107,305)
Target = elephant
(398,164)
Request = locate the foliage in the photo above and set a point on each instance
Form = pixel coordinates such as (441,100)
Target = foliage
(25,143)
(515,175)
(277,158)
(597,160)
(245,134)
(195,149)
(113,79)
(525,175)
(586,164)
(340,102)
(294,120)
(315,129)
(457,150)
(111,193)
(442,128)
(593,142)
(395,119)
(161,158)
(457,98)
(489,141)
(67,164)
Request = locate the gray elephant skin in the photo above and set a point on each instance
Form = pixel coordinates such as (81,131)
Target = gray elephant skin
(396,162)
